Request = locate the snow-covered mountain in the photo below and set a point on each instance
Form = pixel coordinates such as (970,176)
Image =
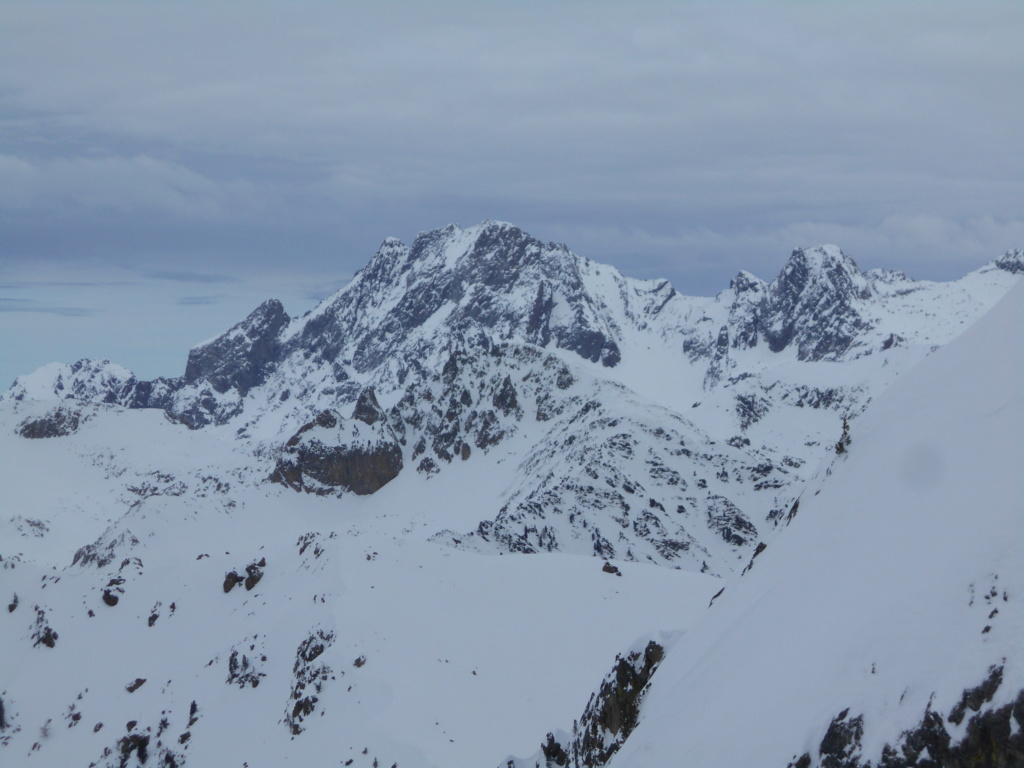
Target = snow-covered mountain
(485,340)
(885,627)
(476,393)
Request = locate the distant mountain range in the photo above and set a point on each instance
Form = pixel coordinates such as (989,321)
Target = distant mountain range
(476,393)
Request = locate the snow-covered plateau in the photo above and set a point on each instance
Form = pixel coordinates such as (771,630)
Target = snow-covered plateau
(492,499)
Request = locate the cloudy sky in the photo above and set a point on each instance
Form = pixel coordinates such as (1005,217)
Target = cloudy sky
(166,166)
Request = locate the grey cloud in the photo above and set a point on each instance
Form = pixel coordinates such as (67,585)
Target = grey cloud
(125,185)
(20,284)
(29,305)
(182,276)
(677,140)
(326,288)
(197,301)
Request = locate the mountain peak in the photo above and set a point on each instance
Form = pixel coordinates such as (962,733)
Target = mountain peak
(745,281)
(813,303)
(86,379)
(497,224)
(1012,261)
(242,356)
(822,262)
(822,252)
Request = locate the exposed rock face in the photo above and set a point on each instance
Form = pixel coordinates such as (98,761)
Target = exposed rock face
(245,664)
(840,746)
(105,550)
(231,580)
(611,478)
(817,305)
(729,522)
(1012,261)
(813,304)
(367,408)
(994,736)
(244,355)
(254,573)
(332,453)
(309,678)
(610,715)
(197,408)
(58,422)
(43,633)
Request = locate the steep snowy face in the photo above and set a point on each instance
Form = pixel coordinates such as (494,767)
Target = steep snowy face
(884,626)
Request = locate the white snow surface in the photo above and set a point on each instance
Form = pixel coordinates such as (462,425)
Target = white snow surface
(878,595)
(466,656)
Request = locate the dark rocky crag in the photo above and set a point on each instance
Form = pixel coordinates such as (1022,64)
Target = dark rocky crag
(57,422)
(814,304)
(242,357)
(325,457)
(608,719)
(993,737)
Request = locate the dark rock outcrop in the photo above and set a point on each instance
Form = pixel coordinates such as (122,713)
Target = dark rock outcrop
(243,355)
(367,409)
(57,422)
(842,741)
(813,305)
(254,573)
(331,454)
(105,550)
(610,716)
(994,736)
(231,580)
(309,678)
(729,522)
(243,671)
(1012,261)
(43,633)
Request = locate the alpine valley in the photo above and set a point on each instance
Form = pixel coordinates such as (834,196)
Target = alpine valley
(493,504)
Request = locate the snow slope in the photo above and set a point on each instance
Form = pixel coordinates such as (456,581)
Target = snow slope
(462,652)
(897,586)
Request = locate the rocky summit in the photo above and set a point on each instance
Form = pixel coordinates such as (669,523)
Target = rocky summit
(299,540)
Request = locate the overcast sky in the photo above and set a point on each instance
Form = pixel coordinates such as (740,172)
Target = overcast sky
(166,166)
